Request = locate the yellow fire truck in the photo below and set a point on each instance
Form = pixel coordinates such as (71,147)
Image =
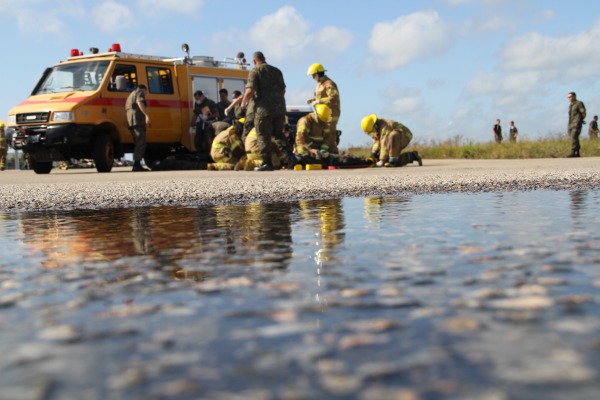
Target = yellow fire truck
(77,109)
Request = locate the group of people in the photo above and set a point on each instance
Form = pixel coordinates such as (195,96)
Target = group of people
(251,131)
(577,114)
(512,130)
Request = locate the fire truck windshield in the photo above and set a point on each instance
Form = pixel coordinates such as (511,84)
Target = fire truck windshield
(82,76)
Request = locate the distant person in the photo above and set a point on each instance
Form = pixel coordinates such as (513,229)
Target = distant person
(267,87)
(497,129)
(513,132)
(3,147)
(593,129)
(389,139)
(137,120)
(326,93)
(223,104)
(576,120)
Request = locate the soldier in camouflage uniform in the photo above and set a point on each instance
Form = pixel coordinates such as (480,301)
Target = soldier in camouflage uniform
(227,149)
(576,120)
(389,138)
(137,119)
(3,147)
(326,93)
(313,137)
(267,87)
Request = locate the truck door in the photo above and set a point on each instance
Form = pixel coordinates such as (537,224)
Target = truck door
(122,82)
(164,106)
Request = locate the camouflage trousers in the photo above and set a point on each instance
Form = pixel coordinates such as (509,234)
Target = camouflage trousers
(139,139)
(574,132)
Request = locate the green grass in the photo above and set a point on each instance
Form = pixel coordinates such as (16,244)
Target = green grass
(552,146)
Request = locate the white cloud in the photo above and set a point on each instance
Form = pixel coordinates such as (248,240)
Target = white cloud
(286,34)
(110,16)
(156,7)
(407,105)
(414,37)
(26,12)
(571,57)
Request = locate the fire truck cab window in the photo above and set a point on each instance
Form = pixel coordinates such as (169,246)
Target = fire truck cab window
(73,77)
(129,73)
(159,80)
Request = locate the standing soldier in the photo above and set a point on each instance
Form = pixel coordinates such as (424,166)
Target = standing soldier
(497,129)
(3,147)
(137,119)
(267,87)
(513,132)
(389,138)
(326,93)
(576,121)
(593,129)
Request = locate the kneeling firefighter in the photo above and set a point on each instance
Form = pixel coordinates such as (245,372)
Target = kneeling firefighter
(389,139)
(227,148)
(279,156)
(314,141)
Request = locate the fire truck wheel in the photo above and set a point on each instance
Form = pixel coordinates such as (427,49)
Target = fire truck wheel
(104,153)
(41,167)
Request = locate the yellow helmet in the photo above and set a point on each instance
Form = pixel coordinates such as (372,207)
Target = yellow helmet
(323,112)
(1,124)
(242,120)
(315,68)
(368,122)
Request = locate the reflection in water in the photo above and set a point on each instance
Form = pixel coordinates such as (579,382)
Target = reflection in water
(381,209)
(88,299)
(329,215)
(215,235)
(577,203)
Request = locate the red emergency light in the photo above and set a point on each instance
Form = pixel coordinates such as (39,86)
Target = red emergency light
(75,53)
(115,47)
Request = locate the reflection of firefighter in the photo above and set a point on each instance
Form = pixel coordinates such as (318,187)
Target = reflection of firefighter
(330,216)
(3,147)
(255,232)
(376,207)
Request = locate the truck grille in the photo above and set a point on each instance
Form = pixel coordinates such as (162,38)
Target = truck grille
(32,118)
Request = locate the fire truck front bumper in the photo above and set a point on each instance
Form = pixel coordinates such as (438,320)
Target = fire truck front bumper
(28,138)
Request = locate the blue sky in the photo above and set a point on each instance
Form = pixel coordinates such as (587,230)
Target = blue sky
(442,67)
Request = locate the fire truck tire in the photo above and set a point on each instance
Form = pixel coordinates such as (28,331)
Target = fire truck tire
(41,167)
(104,153)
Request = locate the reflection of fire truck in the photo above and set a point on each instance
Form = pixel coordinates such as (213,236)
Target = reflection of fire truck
(77,109)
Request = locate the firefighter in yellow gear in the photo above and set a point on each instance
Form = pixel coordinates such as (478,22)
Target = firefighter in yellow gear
(389,139)
(3,147)
(313,137)
(326,93)
(227,149)
(253,158)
